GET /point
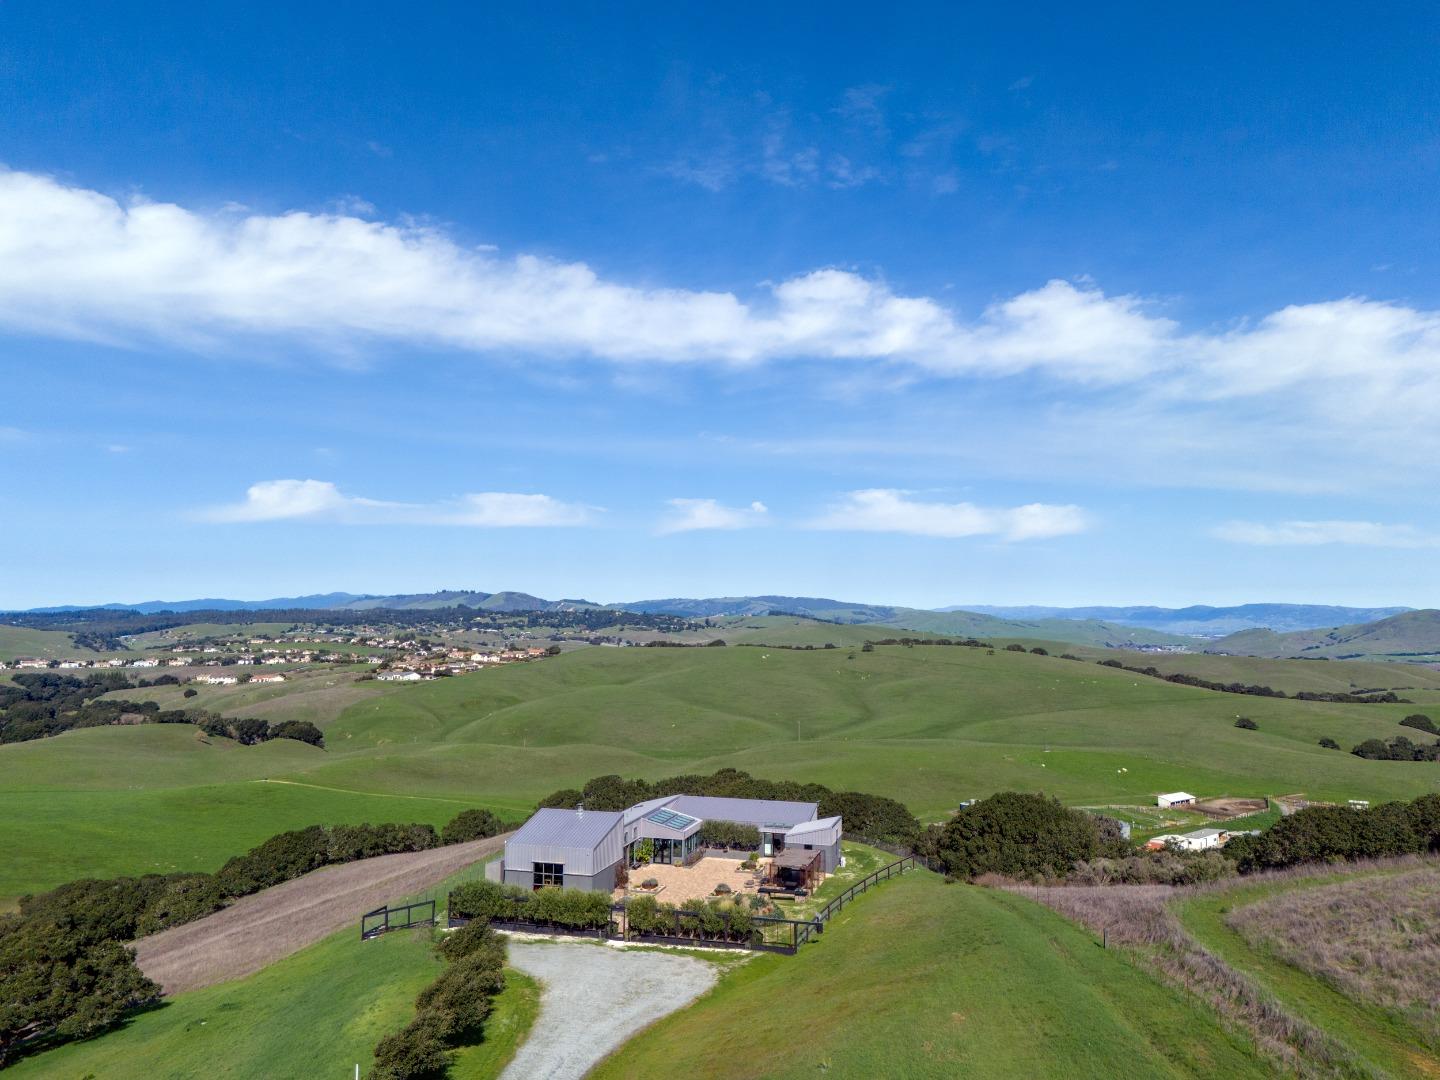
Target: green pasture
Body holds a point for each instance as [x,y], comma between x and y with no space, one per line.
[922,979]
[929,725]
[45,644]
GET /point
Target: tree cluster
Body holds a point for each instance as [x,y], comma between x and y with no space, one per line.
[1015,834]
[1397,749]
[1341,834]
[1420,722]
[251,731]
[872,817]
[37,706]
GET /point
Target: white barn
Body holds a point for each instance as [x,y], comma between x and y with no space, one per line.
[1174,798]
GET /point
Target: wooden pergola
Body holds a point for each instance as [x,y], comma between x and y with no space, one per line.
[796,863]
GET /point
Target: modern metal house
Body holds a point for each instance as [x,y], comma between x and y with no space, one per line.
[581,849]
[575,849]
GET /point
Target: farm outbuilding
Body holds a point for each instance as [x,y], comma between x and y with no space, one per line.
[1174,798]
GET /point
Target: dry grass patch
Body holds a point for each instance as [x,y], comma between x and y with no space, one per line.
[1377,939]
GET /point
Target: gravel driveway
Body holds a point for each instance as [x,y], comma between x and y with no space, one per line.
[594,998]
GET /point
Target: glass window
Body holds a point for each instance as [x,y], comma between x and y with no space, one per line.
[547,873]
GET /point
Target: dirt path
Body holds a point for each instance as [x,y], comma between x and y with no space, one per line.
[594,998]
[258,930]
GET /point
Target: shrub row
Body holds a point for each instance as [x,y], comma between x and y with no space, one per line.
[1341,834]
[1183,679]
[868,815]
[572,908]
[716,920]
[449,1012]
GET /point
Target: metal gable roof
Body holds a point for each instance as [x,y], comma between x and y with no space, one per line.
[566,828]
[772,813]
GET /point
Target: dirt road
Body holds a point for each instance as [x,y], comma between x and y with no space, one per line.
[258,930]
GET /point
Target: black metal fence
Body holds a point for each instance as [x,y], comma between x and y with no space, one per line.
[384,919]
[869,881]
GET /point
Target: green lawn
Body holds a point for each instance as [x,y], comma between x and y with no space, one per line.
[505,1030]
[923,979]
[1383,1042]
[929,725]
[47,644]
[314,1014]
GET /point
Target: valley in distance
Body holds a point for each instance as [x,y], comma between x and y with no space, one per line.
[303,834]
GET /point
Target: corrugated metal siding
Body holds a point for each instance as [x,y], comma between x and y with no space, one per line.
[584,843]
[816,833]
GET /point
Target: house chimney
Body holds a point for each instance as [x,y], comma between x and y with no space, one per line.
[580,809]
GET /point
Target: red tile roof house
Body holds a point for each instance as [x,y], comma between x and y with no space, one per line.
[583,849]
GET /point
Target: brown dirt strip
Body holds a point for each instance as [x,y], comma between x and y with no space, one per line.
[257,930]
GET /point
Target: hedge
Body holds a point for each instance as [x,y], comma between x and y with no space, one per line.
[573,908]
[701,919]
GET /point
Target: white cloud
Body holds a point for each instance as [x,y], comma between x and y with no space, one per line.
[1311,533]
[892,510]
[80,264]
[689,515]
[321,500]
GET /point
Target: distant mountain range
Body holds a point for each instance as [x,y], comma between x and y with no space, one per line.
[1200,620]
[1265,629]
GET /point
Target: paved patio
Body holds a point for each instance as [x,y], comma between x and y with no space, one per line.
[681,883]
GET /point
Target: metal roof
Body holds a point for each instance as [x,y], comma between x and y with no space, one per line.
[766,813]
[805,827]
[566,828]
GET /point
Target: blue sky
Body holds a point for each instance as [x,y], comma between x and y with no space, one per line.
[923,306]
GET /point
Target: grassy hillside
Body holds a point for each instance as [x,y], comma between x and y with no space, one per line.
[48,644]
[923,979]
[1412,636]
[929,725]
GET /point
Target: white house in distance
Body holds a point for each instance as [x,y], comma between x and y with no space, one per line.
[1174,798]
[1199,840]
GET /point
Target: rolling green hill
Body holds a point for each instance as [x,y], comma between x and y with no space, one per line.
[929,725]
[922,979]
[46,644]
[1412,636]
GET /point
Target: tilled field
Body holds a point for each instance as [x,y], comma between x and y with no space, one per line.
[258,930]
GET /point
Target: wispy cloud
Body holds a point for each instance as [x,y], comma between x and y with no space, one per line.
[321,500]
[893,510]
[1312,533]
[77,263]
[690,515]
